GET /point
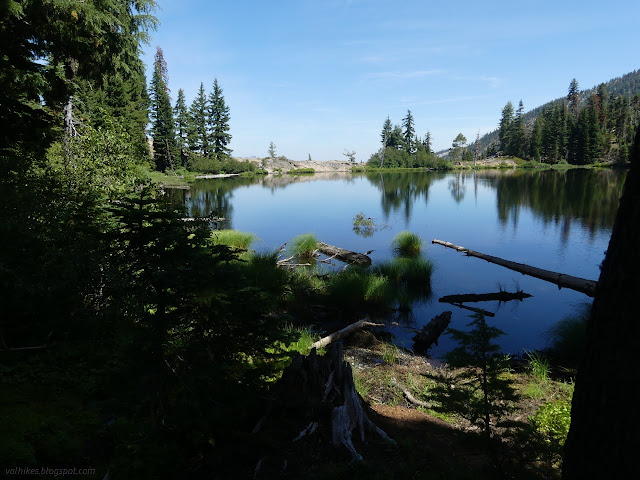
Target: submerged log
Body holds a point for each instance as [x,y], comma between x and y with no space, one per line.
[481,311]
[484,297]
[568,281]
[431,332]
[345,255]
[323,386]
[344,332]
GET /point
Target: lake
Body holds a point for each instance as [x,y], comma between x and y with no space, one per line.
[556,220]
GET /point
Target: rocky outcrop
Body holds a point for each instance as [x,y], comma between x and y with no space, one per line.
[284,164]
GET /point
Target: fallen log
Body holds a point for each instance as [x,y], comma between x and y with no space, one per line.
[431,332]
[481,311]
[344,332]
[560,279]
[484,297]
[344,255]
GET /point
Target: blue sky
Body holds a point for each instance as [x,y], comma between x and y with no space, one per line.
[320,76]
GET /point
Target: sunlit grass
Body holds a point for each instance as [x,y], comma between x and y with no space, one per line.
[233,238]
[304,245]
[407,244]
[538,366]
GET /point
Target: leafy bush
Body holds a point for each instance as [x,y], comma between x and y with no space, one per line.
[552,421]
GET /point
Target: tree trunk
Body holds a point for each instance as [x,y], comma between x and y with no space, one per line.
[605,420]
[345,255]
[323,387]
[431,332]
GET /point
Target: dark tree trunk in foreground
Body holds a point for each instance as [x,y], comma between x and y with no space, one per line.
[605,428]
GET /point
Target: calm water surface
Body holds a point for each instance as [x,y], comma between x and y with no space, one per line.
[559,221]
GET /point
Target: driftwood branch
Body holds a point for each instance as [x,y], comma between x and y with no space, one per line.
[344,255]
[484,297]
[408,394]
[344,332]
[574,283]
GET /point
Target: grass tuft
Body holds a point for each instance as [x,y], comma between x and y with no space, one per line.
[233,238]
[407,244]
[304,245]
[411,272]
[538,366]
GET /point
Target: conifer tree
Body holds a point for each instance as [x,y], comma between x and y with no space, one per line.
[198,136]
[505,130]
[573,98]
[427,142]
[385,135]
[535,145]
[182,125]
[162,130]
[517,143]
[409,132]
[219,121]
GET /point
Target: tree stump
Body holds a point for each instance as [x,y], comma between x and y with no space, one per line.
[323,386]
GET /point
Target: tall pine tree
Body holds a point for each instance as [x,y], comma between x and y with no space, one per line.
[505,129]
[162,129]
[198,134]
[219,122]
[182,125]
[409,132]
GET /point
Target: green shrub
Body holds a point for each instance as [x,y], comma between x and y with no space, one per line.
[407,244]
[301,171]
[552,421]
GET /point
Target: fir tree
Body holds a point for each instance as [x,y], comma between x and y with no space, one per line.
[573,98]
[427,142]
[182,126]
[198,136]
[409,132]
[517,142]
[535,145]
[219,121]
[505,130]
[385,135]
[162,130]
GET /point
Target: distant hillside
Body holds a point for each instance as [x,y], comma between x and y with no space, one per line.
[627,85]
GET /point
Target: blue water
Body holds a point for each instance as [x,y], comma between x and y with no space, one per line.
[559,221]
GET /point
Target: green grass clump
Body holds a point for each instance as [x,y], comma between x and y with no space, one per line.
[301,171]
[407,244]
[538,366]
[356,288]
[304,245]
[233,238]
[261,270]
[411,272]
